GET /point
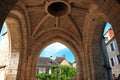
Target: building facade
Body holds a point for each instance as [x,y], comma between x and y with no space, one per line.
[62,61]
[113,52]
[44,65]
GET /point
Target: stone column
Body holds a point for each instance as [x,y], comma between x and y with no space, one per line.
[101,69]
[22,67]
[29,68]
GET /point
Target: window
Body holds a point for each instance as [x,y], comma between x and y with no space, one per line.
[118,57]
[112,62]
[41,70]
[106,39]
[112,45]
[37,71]
[47,70]
[115,59]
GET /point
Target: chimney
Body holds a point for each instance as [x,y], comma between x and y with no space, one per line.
[50,57]
[64,56]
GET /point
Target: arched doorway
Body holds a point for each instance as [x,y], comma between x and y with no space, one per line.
[63,40]
[113,16]
[5,50]
[10,54]
[56,56]
[16,43]
[100,55]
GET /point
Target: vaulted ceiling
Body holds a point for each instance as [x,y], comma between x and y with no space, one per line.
[47,14]
[33,23]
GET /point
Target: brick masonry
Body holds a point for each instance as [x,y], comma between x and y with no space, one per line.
[31,29]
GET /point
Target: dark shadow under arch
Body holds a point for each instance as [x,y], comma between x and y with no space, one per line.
[100,57]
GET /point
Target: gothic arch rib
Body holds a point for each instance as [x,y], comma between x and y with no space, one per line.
[23,35]
[57,38]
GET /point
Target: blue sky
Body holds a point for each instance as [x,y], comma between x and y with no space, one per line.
[3,28]
[58,50]
[107,26]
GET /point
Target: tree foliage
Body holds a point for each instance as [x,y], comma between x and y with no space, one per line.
[59,73]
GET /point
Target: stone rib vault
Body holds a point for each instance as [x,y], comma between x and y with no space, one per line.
[78,24]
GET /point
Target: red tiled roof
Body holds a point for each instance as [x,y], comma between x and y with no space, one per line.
[59,59]
[110,33]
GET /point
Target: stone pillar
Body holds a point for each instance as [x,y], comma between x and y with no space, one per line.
[29,68]
[101,68]
[83,64]
[22,67]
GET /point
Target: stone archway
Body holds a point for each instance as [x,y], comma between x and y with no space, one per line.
[100,56]
[112,11]
[17,35]
[14,53]
[55,49]
[100,63]
[43,42]
[5,51]
[110,8]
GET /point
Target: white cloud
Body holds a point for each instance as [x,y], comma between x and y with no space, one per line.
[58,46]
[52,49]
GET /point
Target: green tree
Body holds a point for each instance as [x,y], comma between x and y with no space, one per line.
[59,73]
[67,72]
[41,76]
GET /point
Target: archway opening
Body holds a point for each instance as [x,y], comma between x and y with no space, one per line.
[4,50]
[56,62]
[112,49]
[9,56]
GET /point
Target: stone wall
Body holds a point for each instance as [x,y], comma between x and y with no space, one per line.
[5,54]
[75,30]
